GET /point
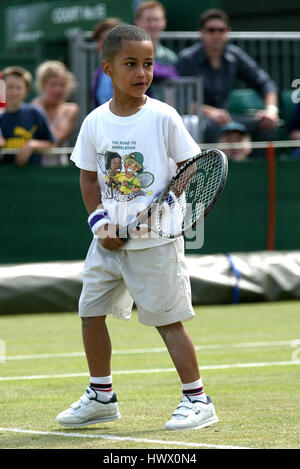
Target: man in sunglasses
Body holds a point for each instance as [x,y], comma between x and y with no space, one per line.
[221,64]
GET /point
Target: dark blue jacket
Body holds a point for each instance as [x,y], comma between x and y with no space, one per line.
[217,84]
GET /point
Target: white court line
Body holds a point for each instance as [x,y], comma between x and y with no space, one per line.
[155,370]
[153,350]
[121,438]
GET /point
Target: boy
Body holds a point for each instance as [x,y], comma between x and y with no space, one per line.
[236,133]
[151,269]
[23,126]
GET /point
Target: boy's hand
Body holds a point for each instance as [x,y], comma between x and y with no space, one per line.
[2,141]
[108,238]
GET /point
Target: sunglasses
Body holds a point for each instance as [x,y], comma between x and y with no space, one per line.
[215,30]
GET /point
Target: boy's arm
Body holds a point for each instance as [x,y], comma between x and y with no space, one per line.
[90,190]
[181,163]
[25,152]
[91,195]
[177,189]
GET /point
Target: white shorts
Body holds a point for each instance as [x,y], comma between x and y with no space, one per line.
[156,279]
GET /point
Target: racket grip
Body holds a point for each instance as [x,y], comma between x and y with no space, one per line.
[123,234]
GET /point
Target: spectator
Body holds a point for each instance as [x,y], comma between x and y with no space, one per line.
[2,140]
[23,126]
[55,83]
[102,89]
[220,64]
[236,133]
[151,16]
[294,130]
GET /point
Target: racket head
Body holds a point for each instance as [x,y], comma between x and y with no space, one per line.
[145,180]
[199,184]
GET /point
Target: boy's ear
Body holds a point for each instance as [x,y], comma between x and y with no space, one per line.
[106,67]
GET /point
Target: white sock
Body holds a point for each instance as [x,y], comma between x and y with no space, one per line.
[194,390]
[102,386]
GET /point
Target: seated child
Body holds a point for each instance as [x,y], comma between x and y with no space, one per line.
[23,127]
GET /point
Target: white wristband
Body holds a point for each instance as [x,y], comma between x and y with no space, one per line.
[98,218]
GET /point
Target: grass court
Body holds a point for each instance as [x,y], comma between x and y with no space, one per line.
[249,361]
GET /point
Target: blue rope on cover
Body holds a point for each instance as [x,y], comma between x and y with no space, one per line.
[236,289]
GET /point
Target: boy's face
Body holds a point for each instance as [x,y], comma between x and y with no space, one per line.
[16,91]
[131,70]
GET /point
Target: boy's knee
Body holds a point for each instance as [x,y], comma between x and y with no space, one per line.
[168,328]
[90,322]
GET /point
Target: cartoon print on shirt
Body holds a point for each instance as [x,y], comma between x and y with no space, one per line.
[113,166]
[125,178]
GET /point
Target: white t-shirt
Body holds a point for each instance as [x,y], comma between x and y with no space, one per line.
[135,157]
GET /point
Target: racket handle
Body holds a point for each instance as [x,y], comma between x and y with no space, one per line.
[123,234]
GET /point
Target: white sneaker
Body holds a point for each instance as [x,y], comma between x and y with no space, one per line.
[89,410]
[192,415]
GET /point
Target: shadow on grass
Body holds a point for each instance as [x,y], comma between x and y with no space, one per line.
[151,433]
[110,431]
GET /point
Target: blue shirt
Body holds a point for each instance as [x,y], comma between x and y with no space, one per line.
[20,126]
[104,89]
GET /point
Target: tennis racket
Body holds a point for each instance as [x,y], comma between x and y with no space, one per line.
[145,180]
[191,195]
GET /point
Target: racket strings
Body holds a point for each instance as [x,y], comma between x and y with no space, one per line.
[192,192]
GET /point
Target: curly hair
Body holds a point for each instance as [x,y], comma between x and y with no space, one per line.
[115,36]
[54,68]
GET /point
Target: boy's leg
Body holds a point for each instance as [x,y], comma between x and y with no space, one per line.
[97,345]
[99,403]
[195,410]
[181,350]
[103,292]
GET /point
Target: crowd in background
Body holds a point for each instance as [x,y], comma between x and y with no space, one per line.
[51,119]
